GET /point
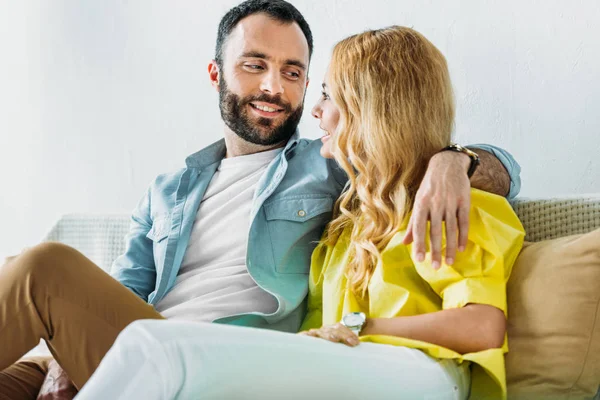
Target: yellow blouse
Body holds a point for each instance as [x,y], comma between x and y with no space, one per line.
[403,287]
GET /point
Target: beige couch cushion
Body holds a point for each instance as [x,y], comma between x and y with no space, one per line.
[554,319]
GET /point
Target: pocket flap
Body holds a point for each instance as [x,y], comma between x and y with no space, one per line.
[298,209]
[160,229]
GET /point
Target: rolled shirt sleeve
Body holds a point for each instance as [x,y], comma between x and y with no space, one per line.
[509,162]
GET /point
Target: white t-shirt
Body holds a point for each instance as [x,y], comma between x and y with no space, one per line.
[213,281]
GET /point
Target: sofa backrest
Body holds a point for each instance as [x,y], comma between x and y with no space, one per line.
[552,218]
[102,237]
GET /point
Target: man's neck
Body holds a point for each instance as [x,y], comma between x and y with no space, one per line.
[236,146]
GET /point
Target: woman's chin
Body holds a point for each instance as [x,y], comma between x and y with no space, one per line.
[326,151]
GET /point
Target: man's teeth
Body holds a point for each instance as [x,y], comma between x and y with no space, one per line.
[265,108]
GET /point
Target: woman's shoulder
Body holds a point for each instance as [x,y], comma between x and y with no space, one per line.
[489,214]
[488,207]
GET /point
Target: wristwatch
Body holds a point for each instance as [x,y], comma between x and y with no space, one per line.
[472,155]
[354,321]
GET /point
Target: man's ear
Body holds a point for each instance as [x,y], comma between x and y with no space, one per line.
[214,74]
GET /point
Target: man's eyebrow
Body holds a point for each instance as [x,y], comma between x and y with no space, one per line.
[255,54]
[289,61]
[296,63]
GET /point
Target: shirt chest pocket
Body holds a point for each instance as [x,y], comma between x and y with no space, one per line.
[295,227]
[158,233]
[160,229]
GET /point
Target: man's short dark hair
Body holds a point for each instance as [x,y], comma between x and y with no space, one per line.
[279,10]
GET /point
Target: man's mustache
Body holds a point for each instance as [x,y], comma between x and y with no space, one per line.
[268,99]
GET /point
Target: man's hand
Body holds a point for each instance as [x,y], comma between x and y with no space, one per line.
[444,195]
[337,333]
[57,385]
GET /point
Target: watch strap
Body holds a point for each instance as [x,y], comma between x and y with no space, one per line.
[471,154]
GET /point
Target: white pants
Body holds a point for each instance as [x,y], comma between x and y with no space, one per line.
[190,360]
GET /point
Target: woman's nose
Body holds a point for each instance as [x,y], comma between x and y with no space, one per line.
[316,111]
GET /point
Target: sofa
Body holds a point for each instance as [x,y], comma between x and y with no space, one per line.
[553,294]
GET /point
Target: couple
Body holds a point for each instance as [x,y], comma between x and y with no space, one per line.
[230,239]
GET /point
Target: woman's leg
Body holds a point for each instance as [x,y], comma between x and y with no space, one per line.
[182,360]
[53,292]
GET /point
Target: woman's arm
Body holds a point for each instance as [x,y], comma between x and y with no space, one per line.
[469,329]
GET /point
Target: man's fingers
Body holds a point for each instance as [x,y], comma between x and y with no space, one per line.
[463,226]
[451,235]
[419,230]
[408,237]
[436,239]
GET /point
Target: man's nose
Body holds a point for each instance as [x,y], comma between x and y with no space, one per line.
[272,83]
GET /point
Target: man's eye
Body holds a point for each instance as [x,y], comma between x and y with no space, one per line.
[254,66]
[294,74]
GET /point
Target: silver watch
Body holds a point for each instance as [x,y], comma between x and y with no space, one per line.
[354,321]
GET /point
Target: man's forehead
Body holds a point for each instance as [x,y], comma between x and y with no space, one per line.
[261,34]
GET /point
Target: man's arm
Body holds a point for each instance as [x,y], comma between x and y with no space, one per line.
[498,172]
[490,176]
[444,196]
[135,269]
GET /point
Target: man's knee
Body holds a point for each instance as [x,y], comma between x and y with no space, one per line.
[137,344]
[139,335]
[45,259]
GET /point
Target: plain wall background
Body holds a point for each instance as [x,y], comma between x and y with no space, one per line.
[98,97]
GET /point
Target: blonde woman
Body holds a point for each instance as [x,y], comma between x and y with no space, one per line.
[401,329]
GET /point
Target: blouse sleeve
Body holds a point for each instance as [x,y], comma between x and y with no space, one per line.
[479,274]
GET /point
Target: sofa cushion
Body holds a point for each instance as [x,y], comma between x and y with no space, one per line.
[554,319]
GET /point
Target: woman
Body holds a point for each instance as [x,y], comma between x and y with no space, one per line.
[423,333]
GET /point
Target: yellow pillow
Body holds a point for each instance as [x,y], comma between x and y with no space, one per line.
[554,320]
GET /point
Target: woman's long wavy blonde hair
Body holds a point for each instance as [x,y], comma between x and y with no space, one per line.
[393,90]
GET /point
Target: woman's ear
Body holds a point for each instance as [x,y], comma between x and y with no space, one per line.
[213,74]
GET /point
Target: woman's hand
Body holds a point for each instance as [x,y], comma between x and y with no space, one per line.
[337,333]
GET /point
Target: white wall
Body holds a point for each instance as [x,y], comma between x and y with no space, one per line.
[98,97]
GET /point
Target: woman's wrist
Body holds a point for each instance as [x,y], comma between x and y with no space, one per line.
[384,326]
[370,327]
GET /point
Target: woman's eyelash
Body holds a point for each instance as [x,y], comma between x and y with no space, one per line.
[325,95]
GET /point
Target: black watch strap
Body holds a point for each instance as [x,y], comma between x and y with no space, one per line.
[472,155]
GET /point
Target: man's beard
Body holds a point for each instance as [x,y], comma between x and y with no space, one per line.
[235,114]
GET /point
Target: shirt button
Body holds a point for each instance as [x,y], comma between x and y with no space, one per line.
[301,213]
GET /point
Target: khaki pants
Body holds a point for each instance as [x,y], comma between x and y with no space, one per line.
[55,293]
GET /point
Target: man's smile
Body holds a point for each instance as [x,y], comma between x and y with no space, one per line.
[266,110]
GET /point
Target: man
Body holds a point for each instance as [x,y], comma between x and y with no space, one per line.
[227,239]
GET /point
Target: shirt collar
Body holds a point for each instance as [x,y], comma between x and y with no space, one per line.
[216,152]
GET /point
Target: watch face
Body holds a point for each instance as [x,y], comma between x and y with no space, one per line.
[354,319]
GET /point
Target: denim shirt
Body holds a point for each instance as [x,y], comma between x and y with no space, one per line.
[292,204]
